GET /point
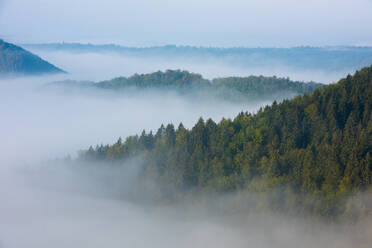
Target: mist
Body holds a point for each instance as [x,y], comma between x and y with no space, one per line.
[41,124]
[46,203]
[53,120]
[56,205]
[107,65]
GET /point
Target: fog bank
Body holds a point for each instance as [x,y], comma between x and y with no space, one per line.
[58,206]
[107,65]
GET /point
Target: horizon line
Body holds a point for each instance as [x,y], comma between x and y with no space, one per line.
[189,46]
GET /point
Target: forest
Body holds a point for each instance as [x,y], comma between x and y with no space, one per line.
[311,154]
[187,83]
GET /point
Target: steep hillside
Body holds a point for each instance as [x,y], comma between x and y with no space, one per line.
[311,153]
[14,60]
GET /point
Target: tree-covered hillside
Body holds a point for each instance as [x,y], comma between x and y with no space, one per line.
[184,82]
[14,60]
[311,152]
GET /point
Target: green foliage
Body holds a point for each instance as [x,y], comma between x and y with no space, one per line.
[232,88]
[252,88]
[316,150]
[174,79]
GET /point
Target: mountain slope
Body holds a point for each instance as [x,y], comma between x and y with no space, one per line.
[14,60]
[310,153]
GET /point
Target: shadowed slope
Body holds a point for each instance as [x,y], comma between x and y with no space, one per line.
[14,61]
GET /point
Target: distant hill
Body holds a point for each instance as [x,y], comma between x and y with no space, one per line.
[15,60]
[330,58]
[184,82]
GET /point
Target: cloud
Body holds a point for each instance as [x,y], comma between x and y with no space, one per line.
[75,207]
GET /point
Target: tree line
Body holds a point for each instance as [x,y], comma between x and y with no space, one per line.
[238,89]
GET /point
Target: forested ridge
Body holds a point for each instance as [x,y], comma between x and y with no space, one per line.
[15,60]
[310,153]
[333,58]
[184,82]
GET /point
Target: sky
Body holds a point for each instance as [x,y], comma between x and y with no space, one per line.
[250,23]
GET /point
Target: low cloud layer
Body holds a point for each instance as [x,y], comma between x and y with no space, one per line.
[58,206]
[41,123]
[46,122]
[103,66]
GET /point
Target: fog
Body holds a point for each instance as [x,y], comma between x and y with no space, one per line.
[63,209]
[106,65]
[45,203]
[45,121]
[41,123]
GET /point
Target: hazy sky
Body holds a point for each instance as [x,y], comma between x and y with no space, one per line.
[189,22]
